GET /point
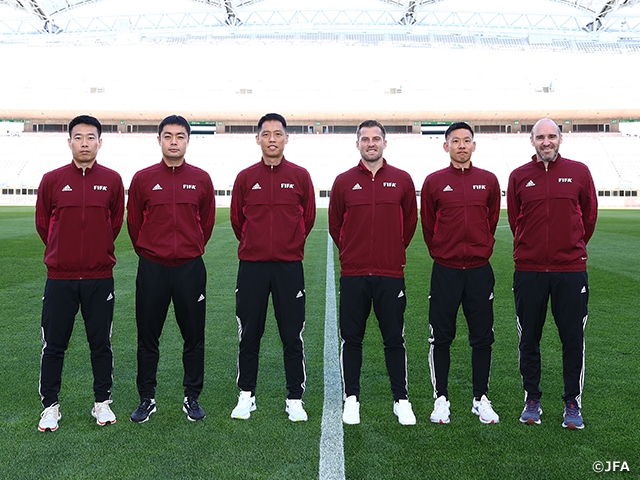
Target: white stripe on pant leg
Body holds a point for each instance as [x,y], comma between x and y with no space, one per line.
[331,437]
[579,397]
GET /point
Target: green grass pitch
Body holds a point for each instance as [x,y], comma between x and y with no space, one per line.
[268,446]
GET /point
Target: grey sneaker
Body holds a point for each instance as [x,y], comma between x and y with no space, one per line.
[572,416]
[531,413]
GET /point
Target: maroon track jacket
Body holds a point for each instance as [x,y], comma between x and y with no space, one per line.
[170,213]
[273,209]
[78,216]
[372,220]
[552,214]
[459,210]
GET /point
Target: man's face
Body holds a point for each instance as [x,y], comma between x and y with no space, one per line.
[460,146]
[371,144]
[173,141]
[272,138]
[84,144]
[546,139]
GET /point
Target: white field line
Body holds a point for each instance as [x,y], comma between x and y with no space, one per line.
[331,438]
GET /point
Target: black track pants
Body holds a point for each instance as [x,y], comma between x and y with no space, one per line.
[156,286]
[473,289]
[285,282]
[60,304]
[388,296]
[569,292]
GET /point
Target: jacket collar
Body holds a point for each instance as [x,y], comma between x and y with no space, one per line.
[363,168]
[166,167]
[557,160]
[273,167]
[460,171]
[80,170]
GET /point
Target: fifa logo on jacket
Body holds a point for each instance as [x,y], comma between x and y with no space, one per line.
[479,187]
[565,180]
[286,185]
[389,184]
[186,186]
[100,187]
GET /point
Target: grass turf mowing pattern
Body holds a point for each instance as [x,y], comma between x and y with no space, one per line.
[268,445]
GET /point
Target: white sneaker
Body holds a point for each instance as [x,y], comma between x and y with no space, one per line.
[295,410]
[485,412]
[440,412]
[49,418]
[246,405]
[351,412]
[404,412]
[102,413]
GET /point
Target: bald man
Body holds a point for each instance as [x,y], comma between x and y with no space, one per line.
[552,209]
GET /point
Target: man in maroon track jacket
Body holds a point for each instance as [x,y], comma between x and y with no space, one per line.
[79,213]
[552,208]
[272,212]
[170,217]
[460,207]
[372,219]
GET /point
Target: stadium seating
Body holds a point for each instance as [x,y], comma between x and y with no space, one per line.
[609,156]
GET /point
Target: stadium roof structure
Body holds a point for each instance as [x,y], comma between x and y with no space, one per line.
[402,61]
[19,17]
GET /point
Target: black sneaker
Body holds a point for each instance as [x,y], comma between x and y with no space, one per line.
[193,409]
[141,414]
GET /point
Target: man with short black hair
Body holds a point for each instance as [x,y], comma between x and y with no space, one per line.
[372,219]
[272,212]
[79,213]
[552,208]
[460,207]
[170,217]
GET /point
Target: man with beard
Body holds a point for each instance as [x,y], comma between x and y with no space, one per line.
[372,218]
[552,209]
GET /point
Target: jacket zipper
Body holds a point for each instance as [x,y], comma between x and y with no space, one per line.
[82,224]
[271,207]
[466,219]
[546,253]
[175,222]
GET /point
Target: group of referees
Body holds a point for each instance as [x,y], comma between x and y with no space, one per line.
[373,215]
